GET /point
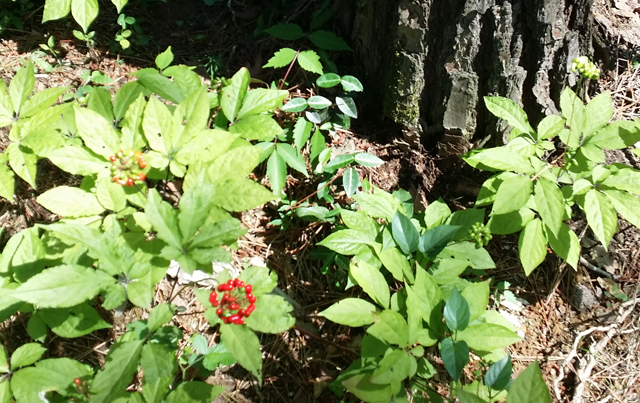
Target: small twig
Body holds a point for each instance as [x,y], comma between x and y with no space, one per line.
[598,270]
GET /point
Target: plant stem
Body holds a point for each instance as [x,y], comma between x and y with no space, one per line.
[288,70]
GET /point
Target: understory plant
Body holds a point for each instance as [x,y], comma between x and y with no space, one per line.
[543,175]
[118,232]
[416,304]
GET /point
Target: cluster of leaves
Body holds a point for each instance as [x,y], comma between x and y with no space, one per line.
[116,242]
[421,257]
[542,174]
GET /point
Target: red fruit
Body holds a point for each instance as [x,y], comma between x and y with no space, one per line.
[213,298]
[226,320]
[142,176]
[231,299]
[239,320]
[129,182]
[225,298]
[235,282]
[113,158]
[248,310]
[251,298]
[241,284]
[233,317]
[248,288]
[223,287]
[234,306]
[77,381]
[219,311]
[230,285]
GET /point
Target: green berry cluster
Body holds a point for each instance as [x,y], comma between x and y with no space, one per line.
[585,67]
[480,234]
[570,158]
[127,167]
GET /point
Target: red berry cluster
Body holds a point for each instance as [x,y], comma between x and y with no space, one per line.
[127,167]
[236,303]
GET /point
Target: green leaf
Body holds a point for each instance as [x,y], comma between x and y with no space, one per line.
[347,106]
[550,126]
[295,105]
[371,281]
[56,9]
[529,387]
[63,286]
[368,160]
[42,100]
[26,354]
[361,386]
[617,135]
[394,367]
[310,61]
[532,246]
[67,201]
[328,80]
[272,315]
[6,396]
[287,32]
[7,182]
[124,98]
[241,194]
[456,311]
[318,102]
[455,355]
[510,223]
[96,132]
[549,203]
[465,219]
[261,100]
[194,392]
[234,93]
[352,312]
[328,40]
[601,216]
[21,86]
[478,259]
[348,242]
[100,102]
[506,109]
[281,58]
[405,233]
[75,322]
[391,327]
[317,145]
[487,337]
[216,356]
[436,239]
[396,263]
[238,162]
[468,397]
[498,376]
[23,162]
[164,59]
[512,194]
[159,315]
[84,12]
[159,84]
[36,328]
[358,220]
[339,161]
[499,159]
[598,113]
[77,160]
[301,130]
[244,345]
[159,366]
[164,219]
[263,281]
[350,83]
[379,204]
[110,195]
[257,127]
[350,181]
[565,244]
[627,205]
[574,111]
[120,366]
[477,296]
[291,156]
[277,173]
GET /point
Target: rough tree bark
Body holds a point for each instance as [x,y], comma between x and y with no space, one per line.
[428,63]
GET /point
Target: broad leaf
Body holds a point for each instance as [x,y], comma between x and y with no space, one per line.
[241,195]
[194,392]
[529,387]
[601,216]
[549,203]
[293,159]
[351,83]
[565,244]
[455,355]
[532,246]
[371,281]
[277,173]
[295,105]
[67,201]
[347,106]
[164,219]
[499,159]
[506,109]
[26,354]
[347,242]
[352,312]
[405,233]
[244,345]
[328,40]
[487,337]
[234,93]
[391,327]
[272,315]
[328,80]
[310,61]
[120,366]
[627,205]
[456,311]
[63,286]
[84,12]
[512,194]
[281,58]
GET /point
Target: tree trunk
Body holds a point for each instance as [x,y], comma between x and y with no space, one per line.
[427,64]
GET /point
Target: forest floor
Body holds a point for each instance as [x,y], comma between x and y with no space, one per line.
[586,340]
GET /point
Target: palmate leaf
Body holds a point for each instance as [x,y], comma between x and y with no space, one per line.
[77,321]
[348,242]
[194,392]
[21,86]
[456,311]
[391,327]
[549,203]
[499,159]
[23,162]
[7,182]
[394,367]
[241,194]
